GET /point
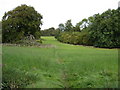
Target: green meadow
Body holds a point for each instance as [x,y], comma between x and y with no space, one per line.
[60,66]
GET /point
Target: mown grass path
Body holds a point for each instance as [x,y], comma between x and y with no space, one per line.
[65,65]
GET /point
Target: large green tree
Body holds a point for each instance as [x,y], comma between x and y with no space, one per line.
[104,31]
[21,22]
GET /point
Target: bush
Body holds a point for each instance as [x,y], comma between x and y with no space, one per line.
[76,38]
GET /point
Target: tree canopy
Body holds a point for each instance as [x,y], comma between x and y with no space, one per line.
[61,27]
[104,31]
[20,22]
[68,25]
[99,30]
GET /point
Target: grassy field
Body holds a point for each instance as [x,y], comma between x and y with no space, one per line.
[61,66]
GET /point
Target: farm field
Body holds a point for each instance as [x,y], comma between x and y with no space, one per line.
[60,66]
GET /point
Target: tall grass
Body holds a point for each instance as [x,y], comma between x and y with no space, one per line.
[61,66]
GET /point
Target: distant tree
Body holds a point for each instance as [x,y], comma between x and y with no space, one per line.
[61,27]
[52,31]
[84,23]
[20,22]
[90,20]
[48,32]
[77,27]
[68,26]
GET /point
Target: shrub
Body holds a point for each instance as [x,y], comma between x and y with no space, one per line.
[81,38]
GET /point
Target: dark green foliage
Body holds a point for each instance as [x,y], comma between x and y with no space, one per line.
[49,32]
[37,34]
[20,22]
[77,27]
[69,37]
[85,38]
[99,30]
[104,31]
[68,26]
[61,27]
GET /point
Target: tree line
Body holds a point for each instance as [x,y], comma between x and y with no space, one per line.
[99,30]
[49,32]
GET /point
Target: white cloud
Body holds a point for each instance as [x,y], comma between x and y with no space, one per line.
[59,11]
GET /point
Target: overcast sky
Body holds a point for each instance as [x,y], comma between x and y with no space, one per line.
[59,11]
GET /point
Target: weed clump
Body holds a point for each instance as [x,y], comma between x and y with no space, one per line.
[15,78]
